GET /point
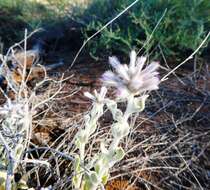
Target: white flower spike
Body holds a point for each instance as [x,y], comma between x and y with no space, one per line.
[132,79]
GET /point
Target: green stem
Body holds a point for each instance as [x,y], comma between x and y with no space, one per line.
[128,107]
[114,144]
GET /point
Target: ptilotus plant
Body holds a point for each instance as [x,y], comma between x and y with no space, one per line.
[132,83]
[82,137]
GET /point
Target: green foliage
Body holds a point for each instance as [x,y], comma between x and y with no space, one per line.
[16,15]
[180,31]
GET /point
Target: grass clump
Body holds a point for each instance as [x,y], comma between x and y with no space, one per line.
[181,30]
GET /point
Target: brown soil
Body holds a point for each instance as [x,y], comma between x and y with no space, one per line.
[180,108]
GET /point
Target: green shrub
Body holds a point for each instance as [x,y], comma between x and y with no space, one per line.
[16,15]
[180,31]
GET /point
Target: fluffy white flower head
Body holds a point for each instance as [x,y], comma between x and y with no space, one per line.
[132,79]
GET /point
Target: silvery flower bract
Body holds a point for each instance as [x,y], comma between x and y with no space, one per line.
[132,79]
